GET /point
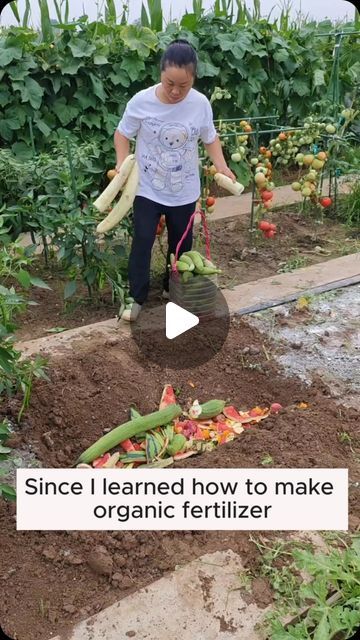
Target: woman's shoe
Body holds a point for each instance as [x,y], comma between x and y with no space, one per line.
[131,313]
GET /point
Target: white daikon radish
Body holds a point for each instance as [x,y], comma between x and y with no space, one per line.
[107,196]
[125,203]
[226,183]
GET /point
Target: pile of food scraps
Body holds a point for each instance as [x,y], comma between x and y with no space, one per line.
[170,434]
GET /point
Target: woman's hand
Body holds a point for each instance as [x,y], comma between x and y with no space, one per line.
[227,172]
[215,152]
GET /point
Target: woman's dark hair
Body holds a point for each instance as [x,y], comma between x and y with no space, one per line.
[179,54]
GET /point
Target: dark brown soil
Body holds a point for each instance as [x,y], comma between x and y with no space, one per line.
[245,257]
[51,312]
[54,579]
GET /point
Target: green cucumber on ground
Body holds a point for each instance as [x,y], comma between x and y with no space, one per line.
[129,430]
[209,409]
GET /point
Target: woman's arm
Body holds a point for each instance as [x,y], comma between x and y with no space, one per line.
[122,148]
[216,154]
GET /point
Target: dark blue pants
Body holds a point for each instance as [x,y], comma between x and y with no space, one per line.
[146,215]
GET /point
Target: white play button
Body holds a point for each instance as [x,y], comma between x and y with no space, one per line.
[178,320]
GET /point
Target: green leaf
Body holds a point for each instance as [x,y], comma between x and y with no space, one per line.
[239,43]
[30,91]
[8,54]
[98,87]
[354,72]
[85,98]
[56,83]
[91,120]
[156,15]
[71,65]
[319,77]
[140,39]
[281,55]
[22,151]
[300,86]
[15,11]
[144,20]
[24,278]
[242,172]
[64,111]
[335,620]
[133,66]
[4,449]
[42,126]
[7,126]
[7,492]
[5,97]
[70,289]
[37,282]
[81,48]
[46,27]
[6,356]
[207,69]
[100,59]
[119,76]
[323,630]
[189,21]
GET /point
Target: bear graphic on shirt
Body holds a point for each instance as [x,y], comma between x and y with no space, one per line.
[170,150]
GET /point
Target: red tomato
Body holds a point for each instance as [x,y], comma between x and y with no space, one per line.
[270,234]
[264,225]
[210,201]
[267,195]
[272,227]
[326,202]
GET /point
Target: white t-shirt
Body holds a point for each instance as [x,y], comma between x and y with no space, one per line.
[167,144]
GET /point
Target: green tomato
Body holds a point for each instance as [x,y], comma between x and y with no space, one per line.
[330,128]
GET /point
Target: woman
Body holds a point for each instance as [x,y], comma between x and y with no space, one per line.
[167,119]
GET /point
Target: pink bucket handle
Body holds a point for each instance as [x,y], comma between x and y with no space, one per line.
[207,237]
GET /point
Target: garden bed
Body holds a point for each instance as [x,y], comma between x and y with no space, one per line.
[241,257]
[54,574]
[300,242]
